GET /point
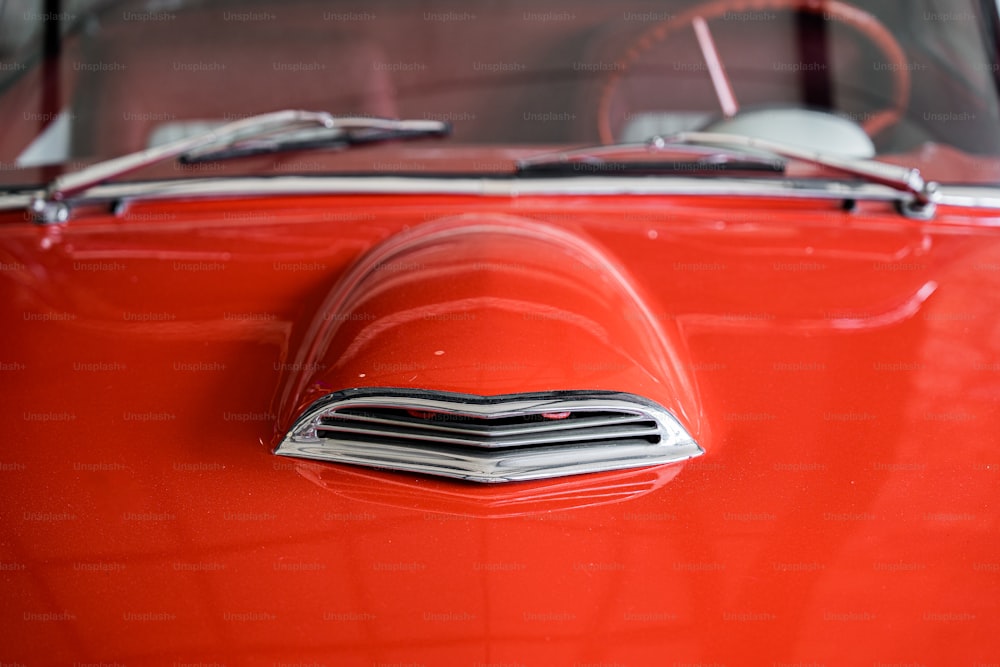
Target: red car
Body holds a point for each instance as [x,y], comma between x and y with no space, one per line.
[493,334]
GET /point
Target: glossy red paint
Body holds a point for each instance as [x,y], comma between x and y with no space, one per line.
[844,511]
[552,312]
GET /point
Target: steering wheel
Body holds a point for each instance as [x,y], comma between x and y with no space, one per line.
[697,17]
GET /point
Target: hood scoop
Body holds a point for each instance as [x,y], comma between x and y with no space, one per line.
[489,438]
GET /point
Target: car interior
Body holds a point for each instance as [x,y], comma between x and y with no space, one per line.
[509,73]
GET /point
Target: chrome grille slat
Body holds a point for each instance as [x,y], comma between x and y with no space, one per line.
[486,429]
[489,439]
[536,464]
[644,429]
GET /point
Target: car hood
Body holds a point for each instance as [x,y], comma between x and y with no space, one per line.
[841,370]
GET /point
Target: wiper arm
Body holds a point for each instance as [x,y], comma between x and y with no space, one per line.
[261,133]
[925,194]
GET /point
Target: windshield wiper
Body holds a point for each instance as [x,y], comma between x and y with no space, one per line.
[287,130]
[718,146]
[340,133]
[924,194]
[655,156]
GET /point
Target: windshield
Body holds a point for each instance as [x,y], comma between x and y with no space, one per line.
[915,81]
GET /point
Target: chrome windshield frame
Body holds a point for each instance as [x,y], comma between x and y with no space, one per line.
[120,195]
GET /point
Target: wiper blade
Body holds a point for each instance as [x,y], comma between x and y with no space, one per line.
[261,133]
[343,133]
[650,157]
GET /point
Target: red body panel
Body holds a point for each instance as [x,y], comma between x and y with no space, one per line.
[847,367]
[490,304]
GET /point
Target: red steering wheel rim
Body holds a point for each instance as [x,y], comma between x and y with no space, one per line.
[858,19]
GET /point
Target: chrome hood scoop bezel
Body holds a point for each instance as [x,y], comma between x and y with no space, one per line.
[506,438]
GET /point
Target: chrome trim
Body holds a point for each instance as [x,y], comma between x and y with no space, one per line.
[249,186]
[612,431]
[970,196]
[15,201]
[489,186]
